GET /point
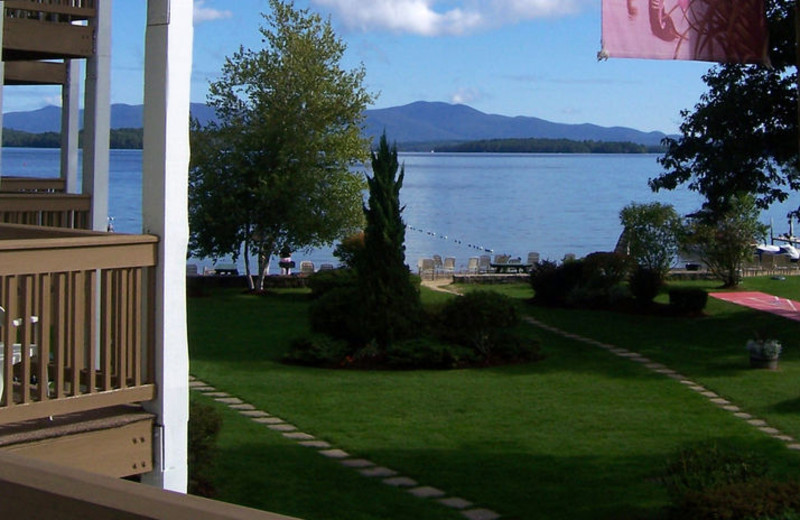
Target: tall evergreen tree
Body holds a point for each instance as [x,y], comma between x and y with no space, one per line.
[392,308]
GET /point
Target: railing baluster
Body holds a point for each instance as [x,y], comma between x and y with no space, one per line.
[9,338]
[106,327]
[44,312]
[90,292]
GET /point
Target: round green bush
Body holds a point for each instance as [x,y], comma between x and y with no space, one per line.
[475,320]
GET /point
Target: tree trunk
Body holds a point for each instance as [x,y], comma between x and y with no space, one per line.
[250,285]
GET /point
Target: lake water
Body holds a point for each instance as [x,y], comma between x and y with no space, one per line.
[464,205]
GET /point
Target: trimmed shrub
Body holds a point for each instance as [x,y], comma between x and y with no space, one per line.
[688,300]
[603,270]
[317,351]
[709,464]
[205,423]
[645,284]
[475,320]
[338,313]
[323,282]
[426,353]
[552,283]
[758,499]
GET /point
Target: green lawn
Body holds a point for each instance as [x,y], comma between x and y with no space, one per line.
[582,434]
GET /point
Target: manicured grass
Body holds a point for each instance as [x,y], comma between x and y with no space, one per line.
[582,434]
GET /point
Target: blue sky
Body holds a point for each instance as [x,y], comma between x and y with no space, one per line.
[510,57]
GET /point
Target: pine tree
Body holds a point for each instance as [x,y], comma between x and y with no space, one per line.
[392,308]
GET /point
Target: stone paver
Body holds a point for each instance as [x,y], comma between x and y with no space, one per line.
[456,502]
[268,420]
[480,514]
[335,453]
[378,471]
[298,436]
[757,422]
[216,394]
[315,444]
[426,492]
[229,400]
[243,406]
[357,463]
[400,482]
[282,427]
[254,413]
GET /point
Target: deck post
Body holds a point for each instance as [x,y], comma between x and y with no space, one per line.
[165,167]
[70,113]
[97,118]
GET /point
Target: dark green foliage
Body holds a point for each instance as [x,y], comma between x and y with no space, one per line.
[591,282]
[742,135]
[323,282]
[349,250]
[205,423]
[391,303]
[317,351]
[428,354]
[553,283]
[645,284]
[760,499]
[338,313]
[688,301]
[537,145]
[478,319]
[710,464]
[120,139]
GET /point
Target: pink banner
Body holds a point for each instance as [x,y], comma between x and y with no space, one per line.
[705,30]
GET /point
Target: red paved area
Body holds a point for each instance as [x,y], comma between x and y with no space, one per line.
[762,302]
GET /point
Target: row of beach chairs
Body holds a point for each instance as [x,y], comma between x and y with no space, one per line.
[307,267]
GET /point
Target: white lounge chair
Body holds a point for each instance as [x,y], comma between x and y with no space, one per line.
[306,268]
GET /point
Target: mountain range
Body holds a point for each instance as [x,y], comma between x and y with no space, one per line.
[419,122]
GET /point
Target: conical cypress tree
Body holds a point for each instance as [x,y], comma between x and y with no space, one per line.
[392,307]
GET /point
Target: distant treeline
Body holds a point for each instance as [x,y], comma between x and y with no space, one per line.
[547,146]
[121,139]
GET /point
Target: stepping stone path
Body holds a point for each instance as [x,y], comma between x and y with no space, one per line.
[658,368]
[367,468]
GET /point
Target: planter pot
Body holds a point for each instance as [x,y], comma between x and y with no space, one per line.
[760,362]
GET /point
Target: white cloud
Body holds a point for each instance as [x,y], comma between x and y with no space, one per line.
[422,17]
[465,96]
[208,14]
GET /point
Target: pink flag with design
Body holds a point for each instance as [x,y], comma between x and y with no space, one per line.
[731,31]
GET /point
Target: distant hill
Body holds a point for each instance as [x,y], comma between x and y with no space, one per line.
[419,122]
[48,119]
[442,122]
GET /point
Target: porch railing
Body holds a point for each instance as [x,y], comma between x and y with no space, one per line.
[31,185]
[33,29]
[76,327]
[37,490]
[61,210]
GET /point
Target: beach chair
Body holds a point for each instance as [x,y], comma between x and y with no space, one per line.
[306,268]
[437,262]
[472,265]
[326,267]
[191,270]
[533,258]
[426,266]
[449,265]
[484,264]
[501,259]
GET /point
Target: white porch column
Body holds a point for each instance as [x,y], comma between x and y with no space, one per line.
[165,163]
[97,118]
[70,113]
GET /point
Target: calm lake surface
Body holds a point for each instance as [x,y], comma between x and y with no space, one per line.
[462,205]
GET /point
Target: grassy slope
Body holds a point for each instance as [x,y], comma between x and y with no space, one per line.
[579,435]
